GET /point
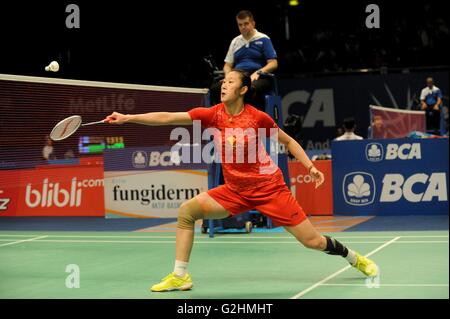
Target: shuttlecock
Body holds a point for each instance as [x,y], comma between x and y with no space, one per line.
[53,66]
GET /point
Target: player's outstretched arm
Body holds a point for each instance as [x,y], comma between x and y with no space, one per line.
[299,153]
[153,118]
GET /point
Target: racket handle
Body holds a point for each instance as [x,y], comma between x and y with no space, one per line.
[92,123]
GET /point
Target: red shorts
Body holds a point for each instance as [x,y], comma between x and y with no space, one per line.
[273,200]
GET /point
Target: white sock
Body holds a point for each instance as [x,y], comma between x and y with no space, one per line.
[351,257]
[180,268]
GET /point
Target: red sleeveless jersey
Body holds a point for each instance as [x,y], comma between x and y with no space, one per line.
[238,138]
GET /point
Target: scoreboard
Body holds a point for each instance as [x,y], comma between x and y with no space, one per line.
[96,144]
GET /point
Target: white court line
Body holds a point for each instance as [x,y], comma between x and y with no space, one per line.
[22,241]
[321,282]
[244,236]
[422,242]
[389,285]
[293,242]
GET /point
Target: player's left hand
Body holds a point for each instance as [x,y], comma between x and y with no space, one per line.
[317,176]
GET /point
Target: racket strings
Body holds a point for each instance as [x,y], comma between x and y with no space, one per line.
[66,128]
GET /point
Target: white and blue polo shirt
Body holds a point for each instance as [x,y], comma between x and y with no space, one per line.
[250,55]
[430,96]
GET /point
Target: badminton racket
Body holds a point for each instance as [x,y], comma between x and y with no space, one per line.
[68,126]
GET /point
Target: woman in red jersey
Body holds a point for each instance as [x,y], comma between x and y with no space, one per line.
[252,184]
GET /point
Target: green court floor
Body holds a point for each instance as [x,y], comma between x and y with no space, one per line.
[257,265]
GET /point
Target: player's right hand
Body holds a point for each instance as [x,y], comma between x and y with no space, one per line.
[116,118]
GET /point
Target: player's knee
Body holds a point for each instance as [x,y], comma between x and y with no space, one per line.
[185,218]
[188,213]
[313,242]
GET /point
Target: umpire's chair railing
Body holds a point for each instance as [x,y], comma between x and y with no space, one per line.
[215,177]
[443,128]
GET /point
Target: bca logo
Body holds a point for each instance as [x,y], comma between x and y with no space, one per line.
[358,188]
[419,187]
[167,158]
[404,151]
[139,159]
[374,152]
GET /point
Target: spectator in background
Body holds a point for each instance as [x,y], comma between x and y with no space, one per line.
[339,131]
[69,154]
[377,129]
[48,151]
[431,101]
[349,134]
[253,52]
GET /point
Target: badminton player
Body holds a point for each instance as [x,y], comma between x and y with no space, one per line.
[250,185]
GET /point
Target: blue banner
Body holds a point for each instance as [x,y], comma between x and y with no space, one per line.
[154,158]
[391,177]
[322,103]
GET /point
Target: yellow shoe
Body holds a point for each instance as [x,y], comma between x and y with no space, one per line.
[172,282]
[366,266]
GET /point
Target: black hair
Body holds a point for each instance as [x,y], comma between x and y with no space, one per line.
[349,123]
[246,80]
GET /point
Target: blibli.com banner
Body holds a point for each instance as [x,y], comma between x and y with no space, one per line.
[391,177]
[150,182]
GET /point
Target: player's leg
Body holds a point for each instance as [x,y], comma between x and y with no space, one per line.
[306,234]
[311,238]
[284,210]
[200,207]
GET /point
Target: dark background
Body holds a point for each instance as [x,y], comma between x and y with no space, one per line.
[164,42]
